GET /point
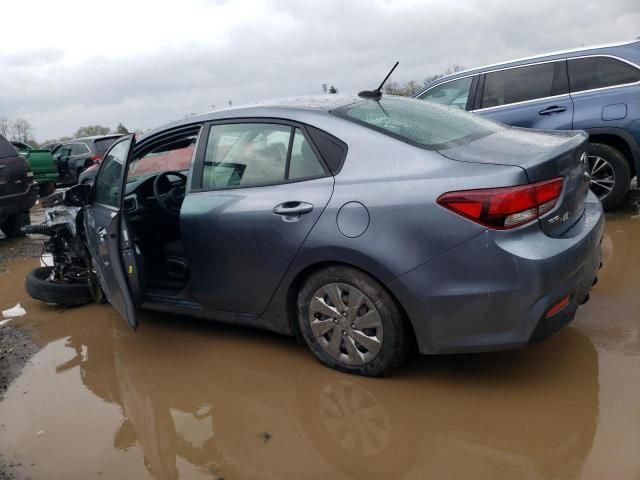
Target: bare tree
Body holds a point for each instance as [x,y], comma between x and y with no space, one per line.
[450,70]
[5,127]
[21,130]
[91,130]
[324,87]
[406,90]
[333,89]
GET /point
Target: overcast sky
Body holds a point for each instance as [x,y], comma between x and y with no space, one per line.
[66,63]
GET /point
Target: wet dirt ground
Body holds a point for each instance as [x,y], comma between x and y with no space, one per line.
[183,398]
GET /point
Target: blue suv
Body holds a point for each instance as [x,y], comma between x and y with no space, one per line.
[595,89]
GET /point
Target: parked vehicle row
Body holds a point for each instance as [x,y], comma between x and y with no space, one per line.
[594,89]
[18,191]
[75,156]
[45,172]
[346,220]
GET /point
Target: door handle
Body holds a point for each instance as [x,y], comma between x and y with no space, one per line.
[292,210]
[552,110]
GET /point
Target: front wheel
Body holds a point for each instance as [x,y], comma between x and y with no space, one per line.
[41,286]
[351,323]
[610,174]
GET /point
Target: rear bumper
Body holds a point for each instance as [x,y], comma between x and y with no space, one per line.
[18,202]
[492,292]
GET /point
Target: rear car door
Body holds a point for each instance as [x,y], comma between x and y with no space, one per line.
[108,235]
[260,187]
[530,96]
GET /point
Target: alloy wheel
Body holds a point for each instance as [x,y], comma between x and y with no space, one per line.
[603,177]
[345,323]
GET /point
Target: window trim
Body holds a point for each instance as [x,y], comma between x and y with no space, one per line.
[122,188]
[198,170]
[637,67]
[481,75]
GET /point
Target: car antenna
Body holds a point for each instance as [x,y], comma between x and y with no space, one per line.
[377,93]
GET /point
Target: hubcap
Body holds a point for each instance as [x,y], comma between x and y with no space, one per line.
[346,323]
[603,178]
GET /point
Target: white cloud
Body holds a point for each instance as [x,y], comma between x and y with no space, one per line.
[145,63]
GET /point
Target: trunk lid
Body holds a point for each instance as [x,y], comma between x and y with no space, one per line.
[13,170]
[543,155]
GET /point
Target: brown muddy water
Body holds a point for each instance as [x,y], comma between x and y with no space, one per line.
[189,399]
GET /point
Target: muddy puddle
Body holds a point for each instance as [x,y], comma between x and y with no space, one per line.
[183,398]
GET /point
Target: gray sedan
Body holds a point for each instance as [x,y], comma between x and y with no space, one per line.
[366,227]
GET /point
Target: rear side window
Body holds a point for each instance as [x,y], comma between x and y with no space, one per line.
[303,163]
[518,85]
[6,149]
[422,124]
[454,93]
[103,144]
[599,72]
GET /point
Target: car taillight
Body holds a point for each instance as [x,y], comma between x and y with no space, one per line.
[95,158]
[505,207]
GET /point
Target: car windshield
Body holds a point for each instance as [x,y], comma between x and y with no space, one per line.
[423,124]
[175,156]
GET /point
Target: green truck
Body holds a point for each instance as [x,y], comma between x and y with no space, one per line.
[45,171]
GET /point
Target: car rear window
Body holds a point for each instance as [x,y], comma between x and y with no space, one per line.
[103,144]
[422,124]
[6,149]
[600,72]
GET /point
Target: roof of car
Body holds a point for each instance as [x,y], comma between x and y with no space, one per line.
[313,103]
[517,61]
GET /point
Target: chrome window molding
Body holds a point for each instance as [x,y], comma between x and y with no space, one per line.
[539,63]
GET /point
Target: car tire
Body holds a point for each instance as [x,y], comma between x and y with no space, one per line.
[374,326]
[617,167]
[12,226]
[68,294]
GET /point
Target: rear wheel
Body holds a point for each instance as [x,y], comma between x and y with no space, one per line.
[610,174]
[350,322]
[12,226]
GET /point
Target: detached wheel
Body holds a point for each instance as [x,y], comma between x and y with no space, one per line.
[610,174]
[39,286]
[350,322]
[12,226]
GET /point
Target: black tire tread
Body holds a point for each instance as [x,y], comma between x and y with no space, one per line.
[621,168]
[69,295]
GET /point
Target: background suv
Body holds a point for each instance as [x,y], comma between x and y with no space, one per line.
[18,191]
[596,89]
[76,155]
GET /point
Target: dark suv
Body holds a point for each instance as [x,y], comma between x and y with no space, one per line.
[18,191]
[74,156]
[596,89]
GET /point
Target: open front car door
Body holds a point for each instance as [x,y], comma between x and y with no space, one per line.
[108,235]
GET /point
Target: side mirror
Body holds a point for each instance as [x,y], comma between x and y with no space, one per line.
[77,196]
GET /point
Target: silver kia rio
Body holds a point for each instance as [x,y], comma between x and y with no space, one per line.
[365,226]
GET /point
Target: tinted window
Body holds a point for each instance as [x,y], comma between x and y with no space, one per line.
[453,94]
[303,163]
[109,179]
[599,72]
[6,149]
[245,154]
[103,144]
[518,85]
[81,149]
[332,149]
[423,124]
